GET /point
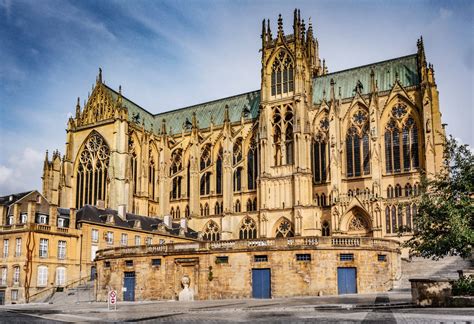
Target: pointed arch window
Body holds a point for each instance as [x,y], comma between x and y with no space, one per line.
[357,145]
[205,157]
[325,229]
[282,80]
[408,190]
[178,213]
[320,161]
[134,165]
[254,204]
[238,179]
[91,176]
[289,136]
[387,221]
[276,123]
[237,151]
[186,211]
[176,188]
[205,184]
[401,142]
[284,229]
[249,205]
[248,229]
[252,165]
[211,232]
[151,179]
[394,219]
[219,172]
[176,161]
[237,206]
[408,217]
[217,209]
[206,209]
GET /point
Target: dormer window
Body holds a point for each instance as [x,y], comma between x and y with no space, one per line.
[282,74]
[42,219]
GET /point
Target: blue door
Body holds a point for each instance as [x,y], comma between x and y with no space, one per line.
[129,285]
[2,297]
[261,283]
[346,281]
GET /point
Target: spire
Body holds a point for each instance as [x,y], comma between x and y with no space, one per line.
[78,107]
[280,25]
[421,51]
[303,30]
[264,34]
[163,126]
[372,81]
[332,95]
[99,78]
[296,24]
[269,32]
[226,114]
[119,99]
[194,121]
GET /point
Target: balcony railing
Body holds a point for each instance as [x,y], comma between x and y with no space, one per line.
[310,242]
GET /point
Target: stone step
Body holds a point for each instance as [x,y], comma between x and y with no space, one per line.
[426,268]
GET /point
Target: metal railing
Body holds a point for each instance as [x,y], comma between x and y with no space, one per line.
[71,283]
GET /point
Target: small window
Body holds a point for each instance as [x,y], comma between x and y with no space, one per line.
[303,257]
[124,239]
[149,241]
[138,240]
[110,237]
[346,257]
[261,258]
[129,263]
[23,218]
[95,235]
[156,262]
[382,258]
[107,264]
[222,259]
[14,295]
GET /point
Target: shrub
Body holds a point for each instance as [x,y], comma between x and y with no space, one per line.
[464,286]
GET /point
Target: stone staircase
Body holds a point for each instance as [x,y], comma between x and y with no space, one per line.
[80,294]
[418,267]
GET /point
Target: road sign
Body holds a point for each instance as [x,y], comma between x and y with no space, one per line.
[112,299]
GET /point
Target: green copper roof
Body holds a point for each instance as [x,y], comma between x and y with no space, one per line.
[212,110]
[385,74]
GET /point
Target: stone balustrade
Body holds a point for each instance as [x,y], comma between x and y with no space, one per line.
[253,244]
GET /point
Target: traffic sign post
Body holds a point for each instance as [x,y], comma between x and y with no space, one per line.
[112,299]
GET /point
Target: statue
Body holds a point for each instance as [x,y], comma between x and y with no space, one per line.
[187,294]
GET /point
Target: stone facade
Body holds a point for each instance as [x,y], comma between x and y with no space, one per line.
[224,269]
[44,247]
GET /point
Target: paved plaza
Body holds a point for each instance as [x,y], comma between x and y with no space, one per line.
[392,307]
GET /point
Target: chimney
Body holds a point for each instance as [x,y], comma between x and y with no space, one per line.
[122,212]
[183,225]
[72,218]
[31,212]
[167,220]
[100,204]
[53,215]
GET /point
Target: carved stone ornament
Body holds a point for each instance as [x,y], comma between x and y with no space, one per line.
[357,224]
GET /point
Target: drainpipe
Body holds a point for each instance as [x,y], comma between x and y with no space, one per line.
[80,262]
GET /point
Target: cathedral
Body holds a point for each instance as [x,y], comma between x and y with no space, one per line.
[310,153]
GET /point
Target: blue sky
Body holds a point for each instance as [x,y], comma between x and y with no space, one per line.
[169,54]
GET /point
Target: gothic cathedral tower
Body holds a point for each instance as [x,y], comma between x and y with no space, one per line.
[289,63]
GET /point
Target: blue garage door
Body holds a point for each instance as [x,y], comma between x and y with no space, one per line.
[129,285]
[261,283]
[346,281]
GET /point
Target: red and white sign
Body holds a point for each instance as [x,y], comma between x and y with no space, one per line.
[113,298]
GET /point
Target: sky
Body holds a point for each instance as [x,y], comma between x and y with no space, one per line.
[171,54]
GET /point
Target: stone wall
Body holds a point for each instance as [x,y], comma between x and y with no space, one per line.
[211,279]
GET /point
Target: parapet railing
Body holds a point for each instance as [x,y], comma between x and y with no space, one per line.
[253,244]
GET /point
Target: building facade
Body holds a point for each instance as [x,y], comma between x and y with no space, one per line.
[45,248]
[311,153]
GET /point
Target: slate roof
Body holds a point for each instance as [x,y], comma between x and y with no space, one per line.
[5,200]
[406,67]
[95,215]
[385,74]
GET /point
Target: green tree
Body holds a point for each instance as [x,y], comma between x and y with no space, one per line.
[445,221]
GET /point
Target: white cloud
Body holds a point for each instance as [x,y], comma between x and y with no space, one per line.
[21,172]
